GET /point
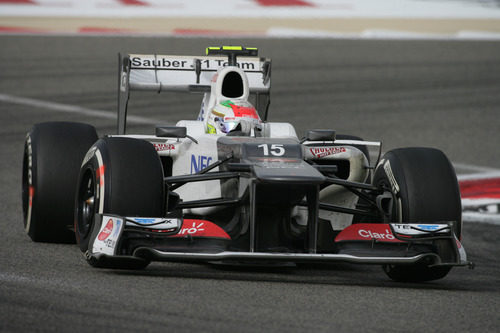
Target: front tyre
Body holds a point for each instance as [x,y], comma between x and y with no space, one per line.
[425,188]
[53,153]
[120,176]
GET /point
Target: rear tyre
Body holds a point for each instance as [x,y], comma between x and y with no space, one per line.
[121,176]
[426,190]
[53,153]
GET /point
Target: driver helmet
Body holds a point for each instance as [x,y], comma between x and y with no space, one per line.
[229,115]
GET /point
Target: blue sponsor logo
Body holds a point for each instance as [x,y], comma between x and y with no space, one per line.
[199,162]
[428,227]
[118,227]
[145,220]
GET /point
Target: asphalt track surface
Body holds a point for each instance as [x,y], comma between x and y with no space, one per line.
[443,94]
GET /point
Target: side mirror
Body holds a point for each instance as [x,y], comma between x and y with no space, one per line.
[319,135]
[171,131]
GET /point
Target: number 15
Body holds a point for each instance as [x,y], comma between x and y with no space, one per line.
[276,149]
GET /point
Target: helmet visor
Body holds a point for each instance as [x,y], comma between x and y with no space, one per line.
[225,126]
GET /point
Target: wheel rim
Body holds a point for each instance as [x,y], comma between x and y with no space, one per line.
[86,204]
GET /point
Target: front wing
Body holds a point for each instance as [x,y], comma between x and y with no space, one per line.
[121,239]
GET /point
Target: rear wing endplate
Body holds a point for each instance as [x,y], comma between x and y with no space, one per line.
[193,74]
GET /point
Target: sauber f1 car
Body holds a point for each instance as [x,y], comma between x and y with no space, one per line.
[235,188]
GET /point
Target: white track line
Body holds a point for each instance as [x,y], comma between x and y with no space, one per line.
[478,176]
[58,107]
[13,277]
[476,168]
[476,217]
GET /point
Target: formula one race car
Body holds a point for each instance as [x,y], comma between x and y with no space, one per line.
[232,187]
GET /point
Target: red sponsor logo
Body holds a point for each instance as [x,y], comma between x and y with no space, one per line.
[106,231]
[326,151]
[368,232]
[163,146]
[201,228]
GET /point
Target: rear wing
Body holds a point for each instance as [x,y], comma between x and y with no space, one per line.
[151,72]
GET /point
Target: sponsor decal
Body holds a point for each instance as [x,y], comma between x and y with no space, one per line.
[145,220]
[89,155]
[117,229]
[429,227]
[99,174]
[163,146]
[386,234]
[367,232]
[106,240]
[106,231]
[419,229]
[159,224]
[31,194]
[168,62]
[199,162]
[100,183]
[211,129]
[31,188]
[30,160]
[326,151]
[201,228]
[138,62]
[390,176]
[196,227]
[246,66]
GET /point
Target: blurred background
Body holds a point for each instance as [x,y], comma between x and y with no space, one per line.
[405,72]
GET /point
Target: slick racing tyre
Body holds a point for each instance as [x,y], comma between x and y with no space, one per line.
[425,185]
[53,153]
[120,176]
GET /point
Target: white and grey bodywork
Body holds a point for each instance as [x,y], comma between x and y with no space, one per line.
[210,172]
